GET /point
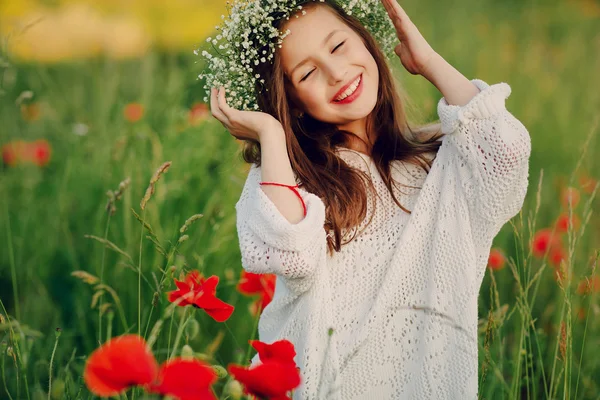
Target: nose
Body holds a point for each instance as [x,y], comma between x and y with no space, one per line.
[336,73]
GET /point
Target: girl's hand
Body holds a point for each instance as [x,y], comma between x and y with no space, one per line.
[414,51]
[241,124]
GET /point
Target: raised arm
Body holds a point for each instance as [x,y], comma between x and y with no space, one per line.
[274,235]
[492,147]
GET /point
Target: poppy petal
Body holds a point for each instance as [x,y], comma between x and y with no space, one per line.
[120,363]
[282,351]
[269,379]
[210,285]
[185,379]
[217,309]
[250,283]
[182,285]
[177,294]
[194,279]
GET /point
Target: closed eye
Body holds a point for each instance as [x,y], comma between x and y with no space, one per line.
[332,51]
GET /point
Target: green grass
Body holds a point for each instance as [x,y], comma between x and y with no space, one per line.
[549,52]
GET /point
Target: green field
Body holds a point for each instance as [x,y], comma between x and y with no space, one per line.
[539,336]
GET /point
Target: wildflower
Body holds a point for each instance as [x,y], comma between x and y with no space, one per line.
[543,240]
[185,379]
[274,376]
[589,285]
[133,112]
[563,223]
[557,254]
[30,112]
[126,361]
[80,129]
[13,152]
[587,183]
[39,152]
[496,259]
[200,293]
[198,113]
[270,380]
[570,195]
[120,363]
[263,284]
[281,351]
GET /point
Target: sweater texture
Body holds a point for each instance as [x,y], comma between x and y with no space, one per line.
[401,298]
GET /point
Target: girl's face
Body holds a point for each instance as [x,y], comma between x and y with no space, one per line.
[321,56]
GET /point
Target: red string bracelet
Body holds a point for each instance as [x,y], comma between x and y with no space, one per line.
[293,188]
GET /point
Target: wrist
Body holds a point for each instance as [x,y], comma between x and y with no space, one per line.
[272,133]
[431,68]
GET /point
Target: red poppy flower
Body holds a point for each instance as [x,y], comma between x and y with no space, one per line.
[570,195]
[557,254]
[126,361]
[133,112]
[280,351]
[200,293]
[270,380]
[589,285]
[496,259]
[587,183]
[562,223]
[262,284]
[120,363]
[13,152]
[198,113]
[543,240]
[38,152]
[185,379]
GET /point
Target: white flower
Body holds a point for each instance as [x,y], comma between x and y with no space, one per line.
[80,129]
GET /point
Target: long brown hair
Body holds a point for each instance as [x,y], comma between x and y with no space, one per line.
[312,143]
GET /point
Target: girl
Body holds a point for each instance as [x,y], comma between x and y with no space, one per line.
[390,311]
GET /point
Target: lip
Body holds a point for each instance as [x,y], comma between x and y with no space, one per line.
[346,86]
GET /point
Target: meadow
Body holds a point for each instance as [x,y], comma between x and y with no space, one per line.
[116,180]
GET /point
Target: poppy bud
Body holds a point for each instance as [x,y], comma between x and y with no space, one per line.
[187,352]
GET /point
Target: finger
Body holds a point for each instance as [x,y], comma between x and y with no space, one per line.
[225,109]
[398,18]
[214,107]
[396,10]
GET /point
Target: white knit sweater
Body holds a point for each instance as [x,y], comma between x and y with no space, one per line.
[402,297]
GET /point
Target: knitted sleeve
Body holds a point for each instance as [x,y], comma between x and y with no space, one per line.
[494,146]
[269,243]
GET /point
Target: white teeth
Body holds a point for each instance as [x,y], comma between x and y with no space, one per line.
[350,90]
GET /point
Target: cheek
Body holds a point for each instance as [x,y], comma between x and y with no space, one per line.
[312,94]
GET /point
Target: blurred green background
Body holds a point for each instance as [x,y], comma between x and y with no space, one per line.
[104,91]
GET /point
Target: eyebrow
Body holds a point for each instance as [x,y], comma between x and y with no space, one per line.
[306,59]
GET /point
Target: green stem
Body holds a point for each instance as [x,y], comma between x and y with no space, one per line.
[256,319]
[102,280]
[182,324]
[11,255]
[140,277]
[57,334]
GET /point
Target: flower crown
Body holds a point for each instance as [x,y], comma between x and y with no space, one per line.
[249,29]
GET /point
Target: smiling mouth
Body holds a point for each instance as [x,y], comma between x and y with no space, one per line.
[345,94]
[350,96]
